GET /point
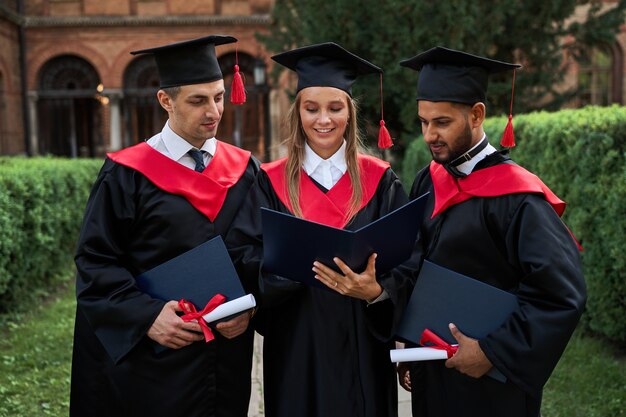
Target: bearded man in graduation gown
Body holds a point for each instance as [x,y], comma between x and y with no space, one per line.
[150,203]
[492,220]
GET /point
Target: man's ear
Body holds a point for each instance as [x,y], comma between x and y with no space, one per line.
[477,114]
[165,100]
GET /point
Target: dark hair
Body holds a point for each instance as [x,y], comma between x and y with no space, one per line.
[172,91]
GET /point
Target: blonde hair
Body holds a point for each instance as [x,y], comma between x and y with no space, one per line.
[295,157]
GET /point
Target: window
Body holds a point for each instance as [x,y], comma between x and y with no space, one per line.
[599,77]
[69,117]
[143,114]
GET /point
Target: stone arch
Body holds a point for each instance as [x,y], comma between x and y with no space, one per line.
[40,57]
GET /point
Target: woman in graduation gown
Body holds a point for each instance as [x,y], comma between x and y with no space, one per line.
[326,352]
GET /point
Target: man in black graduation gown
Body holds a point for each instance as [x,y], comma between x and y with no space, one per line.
[150,203]
[489,219]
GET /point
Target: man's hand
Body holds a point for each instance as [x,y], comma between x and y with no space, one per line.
[362,286]
[171,331]
[404,376]
[470,358]
[235,326]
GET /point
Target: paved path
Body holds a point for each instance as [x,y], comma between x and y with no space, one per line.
[256,401]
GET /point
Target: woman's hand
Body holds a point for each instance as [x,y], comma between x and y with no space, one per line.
[362,286]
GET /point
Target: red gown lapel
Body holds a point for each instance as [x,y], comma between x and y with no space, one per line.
[328,208]
[206,191]
[494,181]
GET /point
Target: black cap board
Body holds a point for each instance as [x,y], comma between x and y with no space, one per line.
[325,65]
[188,62]
[455,76]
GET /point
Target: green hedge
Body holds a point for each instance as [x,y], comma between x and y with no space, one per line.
[580,155]
[41,207]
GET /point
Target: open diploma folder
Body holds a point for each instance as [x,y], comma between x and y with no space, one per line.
[197,275]
[292,244]
[442,296]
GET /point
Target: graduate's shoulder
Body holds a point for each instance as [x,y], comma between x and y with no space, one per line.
[372,162]
[274,167]
[422,182]
[238,154]
[114,170]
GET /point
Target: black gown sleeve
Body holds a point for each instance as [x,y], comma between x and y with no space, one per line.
[245,245]
[116,310]
[551,295]
[384,316]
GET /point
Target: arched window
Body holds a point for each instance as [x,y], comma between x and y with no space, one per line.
[69,112]
[600,76]
[143,114]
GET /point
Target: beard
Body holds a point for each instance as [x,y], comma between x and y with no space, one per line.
[458,146]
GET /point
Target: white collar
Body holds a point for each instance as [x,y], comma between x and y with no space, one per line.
[178,147]
[468,166]
[313,160]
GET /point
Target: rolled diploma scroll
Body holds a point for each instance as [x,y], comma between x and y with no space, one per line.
[230,308]
[417,354]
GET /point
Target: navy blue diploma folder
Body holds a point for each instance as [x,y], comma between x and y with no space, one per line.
[292,244]
[442,296]
[196,275]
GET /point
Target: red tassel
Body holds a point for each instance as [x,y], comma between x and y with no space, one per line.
[508,138]
[384,138]
[237,90]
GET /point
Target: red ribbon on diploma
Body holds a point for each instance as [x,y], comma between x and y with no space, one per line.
[192,314]
[438,343]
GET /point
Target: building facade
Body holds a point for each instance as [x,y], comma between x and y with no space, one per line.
[86,95]
[69,86]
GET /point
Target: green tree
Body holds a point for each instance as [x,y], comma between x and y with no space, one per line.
[535,33]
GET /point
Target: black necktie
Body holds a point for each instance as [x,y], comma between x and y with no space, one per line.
[197,156]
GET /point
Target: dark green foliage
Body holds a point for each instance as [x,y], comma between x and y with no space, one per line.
[41,207]
[580,155]
[531,32]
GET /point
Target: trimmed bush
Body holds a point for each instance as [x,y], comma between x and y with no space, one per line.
[580,155]
[41,207]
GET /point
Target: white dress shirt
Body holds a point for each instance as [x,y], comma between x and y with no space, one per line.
[467,166]
[326,172]
[174,147]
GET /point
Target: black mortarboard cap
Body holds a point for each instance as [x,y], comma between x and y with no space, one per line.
[455,76]
[325,65]
[188,62]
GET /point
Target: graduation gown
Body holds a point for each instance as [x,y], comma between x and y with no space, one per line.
[515,242]
[131,225]
[323,353]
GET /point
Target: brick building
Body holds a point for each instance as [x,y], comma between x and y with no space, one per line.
[85,94]
[68,85]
